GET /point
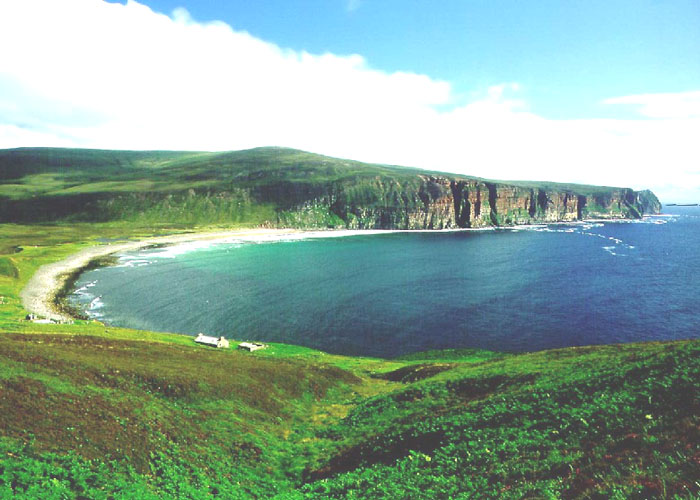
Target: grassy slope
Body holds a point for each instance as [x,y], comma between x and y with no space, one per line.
[105,415]
[96,412]
[257,186]
[598,422]
[242,187]
[57,172]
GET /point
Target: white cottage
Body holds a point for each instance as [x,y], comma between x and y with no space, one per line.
[211,341]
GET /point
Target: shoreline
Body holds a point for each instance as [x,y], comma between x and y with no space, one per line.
[39,296]
[41,291]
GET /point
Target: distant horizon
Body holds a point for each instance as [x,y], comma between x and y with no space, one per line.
[605,92]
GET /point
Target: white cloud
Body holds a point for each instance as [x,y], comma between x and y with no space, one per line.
[667,105]
[93,74]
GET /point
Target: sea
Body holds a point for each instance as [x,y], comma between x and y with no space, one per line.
[515,289]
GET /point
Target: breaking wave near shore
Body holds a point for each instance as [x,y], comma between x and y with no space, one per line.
[612,244]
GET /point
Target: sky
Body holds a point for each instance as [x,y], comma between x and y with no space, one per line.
[597,92]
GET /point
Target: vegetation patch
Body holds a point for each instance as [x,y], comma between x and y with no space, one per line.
[8,268]
[113,414]
[555,429]
[412,373]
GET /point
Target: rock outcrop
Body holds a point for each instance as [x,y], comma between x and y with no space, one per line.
[442,202]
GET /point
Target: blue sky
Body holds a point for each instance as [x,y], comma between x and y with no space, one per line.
[567,55]
[596,92]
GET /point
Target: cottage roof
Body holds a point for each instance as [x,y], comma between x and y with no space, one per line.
[212,341]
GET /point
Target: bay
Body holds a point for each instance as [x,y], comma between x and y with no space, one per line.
[516,290]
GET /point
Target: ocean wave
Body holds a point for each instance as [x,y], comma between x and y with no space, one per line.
[96,303]
[537,228]
[611,251]
[170,252]
[83,289]
[133,262]
[582,229]
[528,227]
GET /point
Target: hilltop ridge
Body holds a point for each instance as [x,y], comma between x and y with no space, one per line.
[283,187]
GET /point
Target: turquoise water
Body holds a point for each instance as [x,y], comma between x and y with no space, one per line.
[386,295]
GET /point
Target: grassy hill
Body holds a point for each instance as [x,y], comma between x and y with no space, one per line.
[121,414]
[241,186]
[277,186]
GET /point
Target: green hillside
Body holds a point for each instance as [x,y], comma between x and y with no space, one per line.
[119,414]
[246,187]
[273,187]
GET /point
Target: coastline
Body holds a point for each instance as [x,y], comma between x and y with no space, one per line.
[41,291]
[39,294]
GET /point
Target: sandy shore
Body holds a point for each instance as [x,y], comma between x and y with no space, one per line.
[40,292]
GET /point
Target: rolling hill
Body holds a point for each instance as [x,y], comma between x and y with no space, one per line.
[120,414]
[282,187]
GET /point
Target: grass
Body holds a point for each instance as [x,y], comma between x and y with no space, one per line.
[91,411]
[598,422]
[170,418]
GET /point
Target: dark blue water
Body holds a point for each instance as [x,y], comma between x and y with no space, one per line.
[385,295]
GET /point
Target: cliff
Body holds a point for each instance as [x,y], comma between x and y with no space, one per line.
[283,187]
[445,202]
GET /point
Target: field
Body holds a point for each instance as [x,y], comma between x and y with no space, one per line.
[91,411]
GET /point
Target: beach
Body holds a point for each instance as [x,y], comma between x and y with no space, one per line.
[38,296]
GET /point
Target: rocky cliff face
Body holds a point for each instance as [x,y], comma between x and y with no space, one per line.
[441,202]
[648,201]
